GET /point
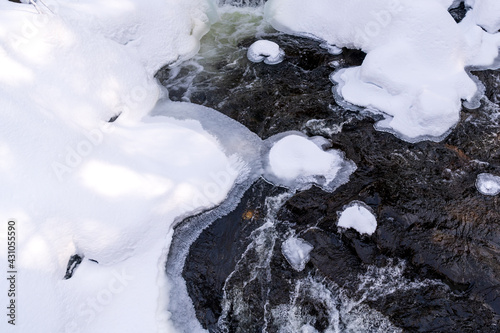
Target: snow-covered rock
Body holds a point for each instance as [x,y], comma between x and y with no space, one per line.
[297,162]
[358,216]
[414,71]
[267,51]
[488,184]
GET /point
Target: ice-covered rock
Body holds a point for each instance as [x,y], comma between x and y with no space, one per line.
[267,51]
[358,216]
[488,184]
[296,251]
[296,161]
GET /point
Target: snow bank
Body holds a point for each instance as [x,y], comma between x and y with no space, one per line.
[358,215]
[159,32]
[297,162]
[414,71]
[488,184]
[85,170]
[267,51]
[296,251]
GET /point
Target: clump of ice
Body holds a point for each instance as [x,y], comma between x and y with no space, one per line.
[488,184]
[414,71]
[296,252]
[267,51]
[296,161]
[358,215]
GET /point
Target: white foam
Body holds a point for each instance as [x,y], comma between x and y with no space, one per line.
[488,184]
[267,51]
[358,215]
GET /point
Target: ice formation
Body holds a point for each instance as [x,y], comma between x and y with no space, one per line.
[267,51]
[296,251]
[358,216]
[488,184]
[297,162]
[414,71]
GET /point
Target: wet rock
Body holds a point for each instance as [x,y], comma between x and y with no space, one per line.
[428,210]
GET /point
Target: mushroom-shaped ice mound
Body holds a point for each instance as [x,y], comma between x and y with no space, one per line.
[488,184]
[358,216]
[296,161]
[296,252]
[267,51]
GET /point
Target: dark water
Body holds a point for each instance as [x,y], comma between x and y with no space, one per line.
[433,265]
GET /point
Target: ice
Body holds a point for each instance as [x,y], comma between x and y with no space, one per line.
[414,72]
[296,161]
[358,215]
[488,184]
[267,51]
[296,251]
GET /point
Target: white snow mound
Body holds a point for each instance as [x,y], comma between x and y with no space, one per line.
[414,71]
[297,162]
[488,184]
[267,51]
[359,217]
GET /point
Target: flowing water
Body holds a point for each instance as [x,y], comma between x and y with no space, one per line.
[232,276]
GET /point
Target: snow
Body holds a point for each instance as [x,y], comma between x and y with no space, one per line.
[76,183]
[296,252]
[267,51]
[358,215]
[488,184]
[414,72]
[296,161]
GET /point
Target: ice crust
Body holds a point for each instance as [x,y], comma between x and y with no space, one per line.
[297,162]
[358,215]
[414,72]
[488,184]
[267,51]
[296,252]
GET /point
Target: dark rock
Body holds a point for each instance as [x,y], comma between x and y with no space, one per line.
[74,261]
[429,212]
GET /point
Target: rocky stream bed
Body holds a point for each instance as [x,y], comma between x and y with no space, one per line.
[433,263]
